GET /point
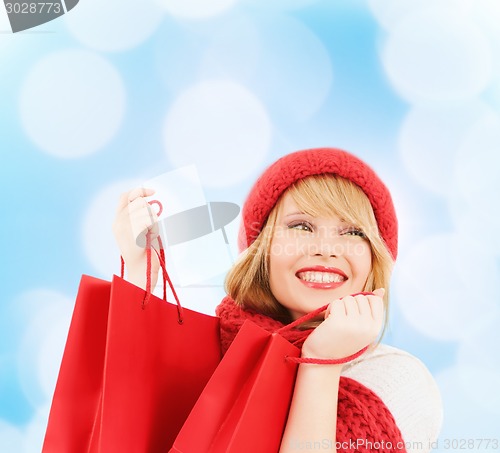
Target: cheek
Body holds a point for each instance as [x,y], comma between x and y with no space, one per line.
[362,261]
[279,259]
[275,275]
[283,251]
[282,257]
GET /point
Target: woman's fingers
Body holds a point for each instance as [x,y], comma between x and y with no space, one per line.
[132,195]
[364,306]
[142,218]
[135,217]
[351,306]
[351,323]
[377,308]
[359,306]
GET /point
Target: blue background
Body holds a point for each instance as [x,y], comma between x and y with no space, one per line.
[109,96]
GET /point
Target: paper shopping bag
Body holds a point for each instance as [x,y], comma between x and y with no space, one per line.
[244,406]
[130,373]
[79,385]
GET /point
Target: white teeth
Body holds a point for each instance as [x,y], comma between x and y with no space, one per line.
[321,277]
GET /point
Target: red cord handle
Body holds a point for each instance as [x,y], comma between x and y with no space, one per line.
[303,319]
[166,278]
[160,206]
[162,260]
[326,361]
[315,361]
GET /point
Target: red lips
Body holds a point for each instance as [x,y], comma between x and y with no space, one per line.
[322,284]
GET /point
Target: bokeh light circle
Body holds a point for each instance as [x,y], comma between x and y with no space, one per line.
[98,241]
[476,183]
[222,128]
[11,437]
[280,5]
[34,432]
[477,169]
[196,9]
[232,50]
[464,417]
[72,103]
[114,25]
[437,55]
[435,290]
[38,367]
[478,357]
[390,13]
[430,138]
[295,73]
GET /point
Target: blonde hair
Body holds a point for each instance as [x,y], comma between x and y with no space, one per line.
[319,195]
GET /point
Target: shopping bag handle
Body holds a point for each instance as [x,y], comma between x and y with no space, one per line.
[166,278]
[162,260]
[310,316]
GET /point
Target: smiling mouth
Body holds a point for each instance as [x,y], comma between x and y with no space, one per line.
[320,277]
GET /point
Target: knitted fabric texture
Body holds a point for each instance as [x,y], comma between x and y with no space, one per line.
[364,423]
[292,167]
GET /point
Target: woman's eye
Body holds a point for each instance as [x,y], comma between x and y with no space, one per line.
[303,226]
[355,232]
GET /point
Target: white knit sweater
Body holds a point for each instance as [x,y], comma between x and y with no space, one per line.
[408,390]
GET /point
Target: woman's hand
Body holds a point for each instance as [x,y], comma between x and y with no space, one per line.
[134,217]
[350,324]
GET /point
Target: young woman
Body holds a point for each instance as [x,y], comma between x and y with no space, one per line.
[319,228]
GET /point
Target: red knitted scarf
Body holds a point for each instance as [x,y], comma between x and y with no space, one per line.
[364,424]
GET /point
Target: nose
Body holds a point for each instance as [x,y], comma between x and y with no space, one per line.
[326,246]
[323,251]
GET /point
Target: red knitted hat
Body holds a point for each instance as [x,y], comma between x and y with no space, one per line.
[292,167]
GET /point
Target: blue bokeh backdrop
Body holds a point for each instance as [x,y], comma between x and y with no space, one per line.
[109,96]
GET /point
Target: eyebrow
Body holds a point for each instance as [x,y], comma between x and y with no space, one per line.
[295,213]
[291,214]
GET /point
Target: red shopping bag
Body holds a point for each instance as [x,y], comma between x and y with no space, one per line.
[79,385]
[244,406]
[132,369]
